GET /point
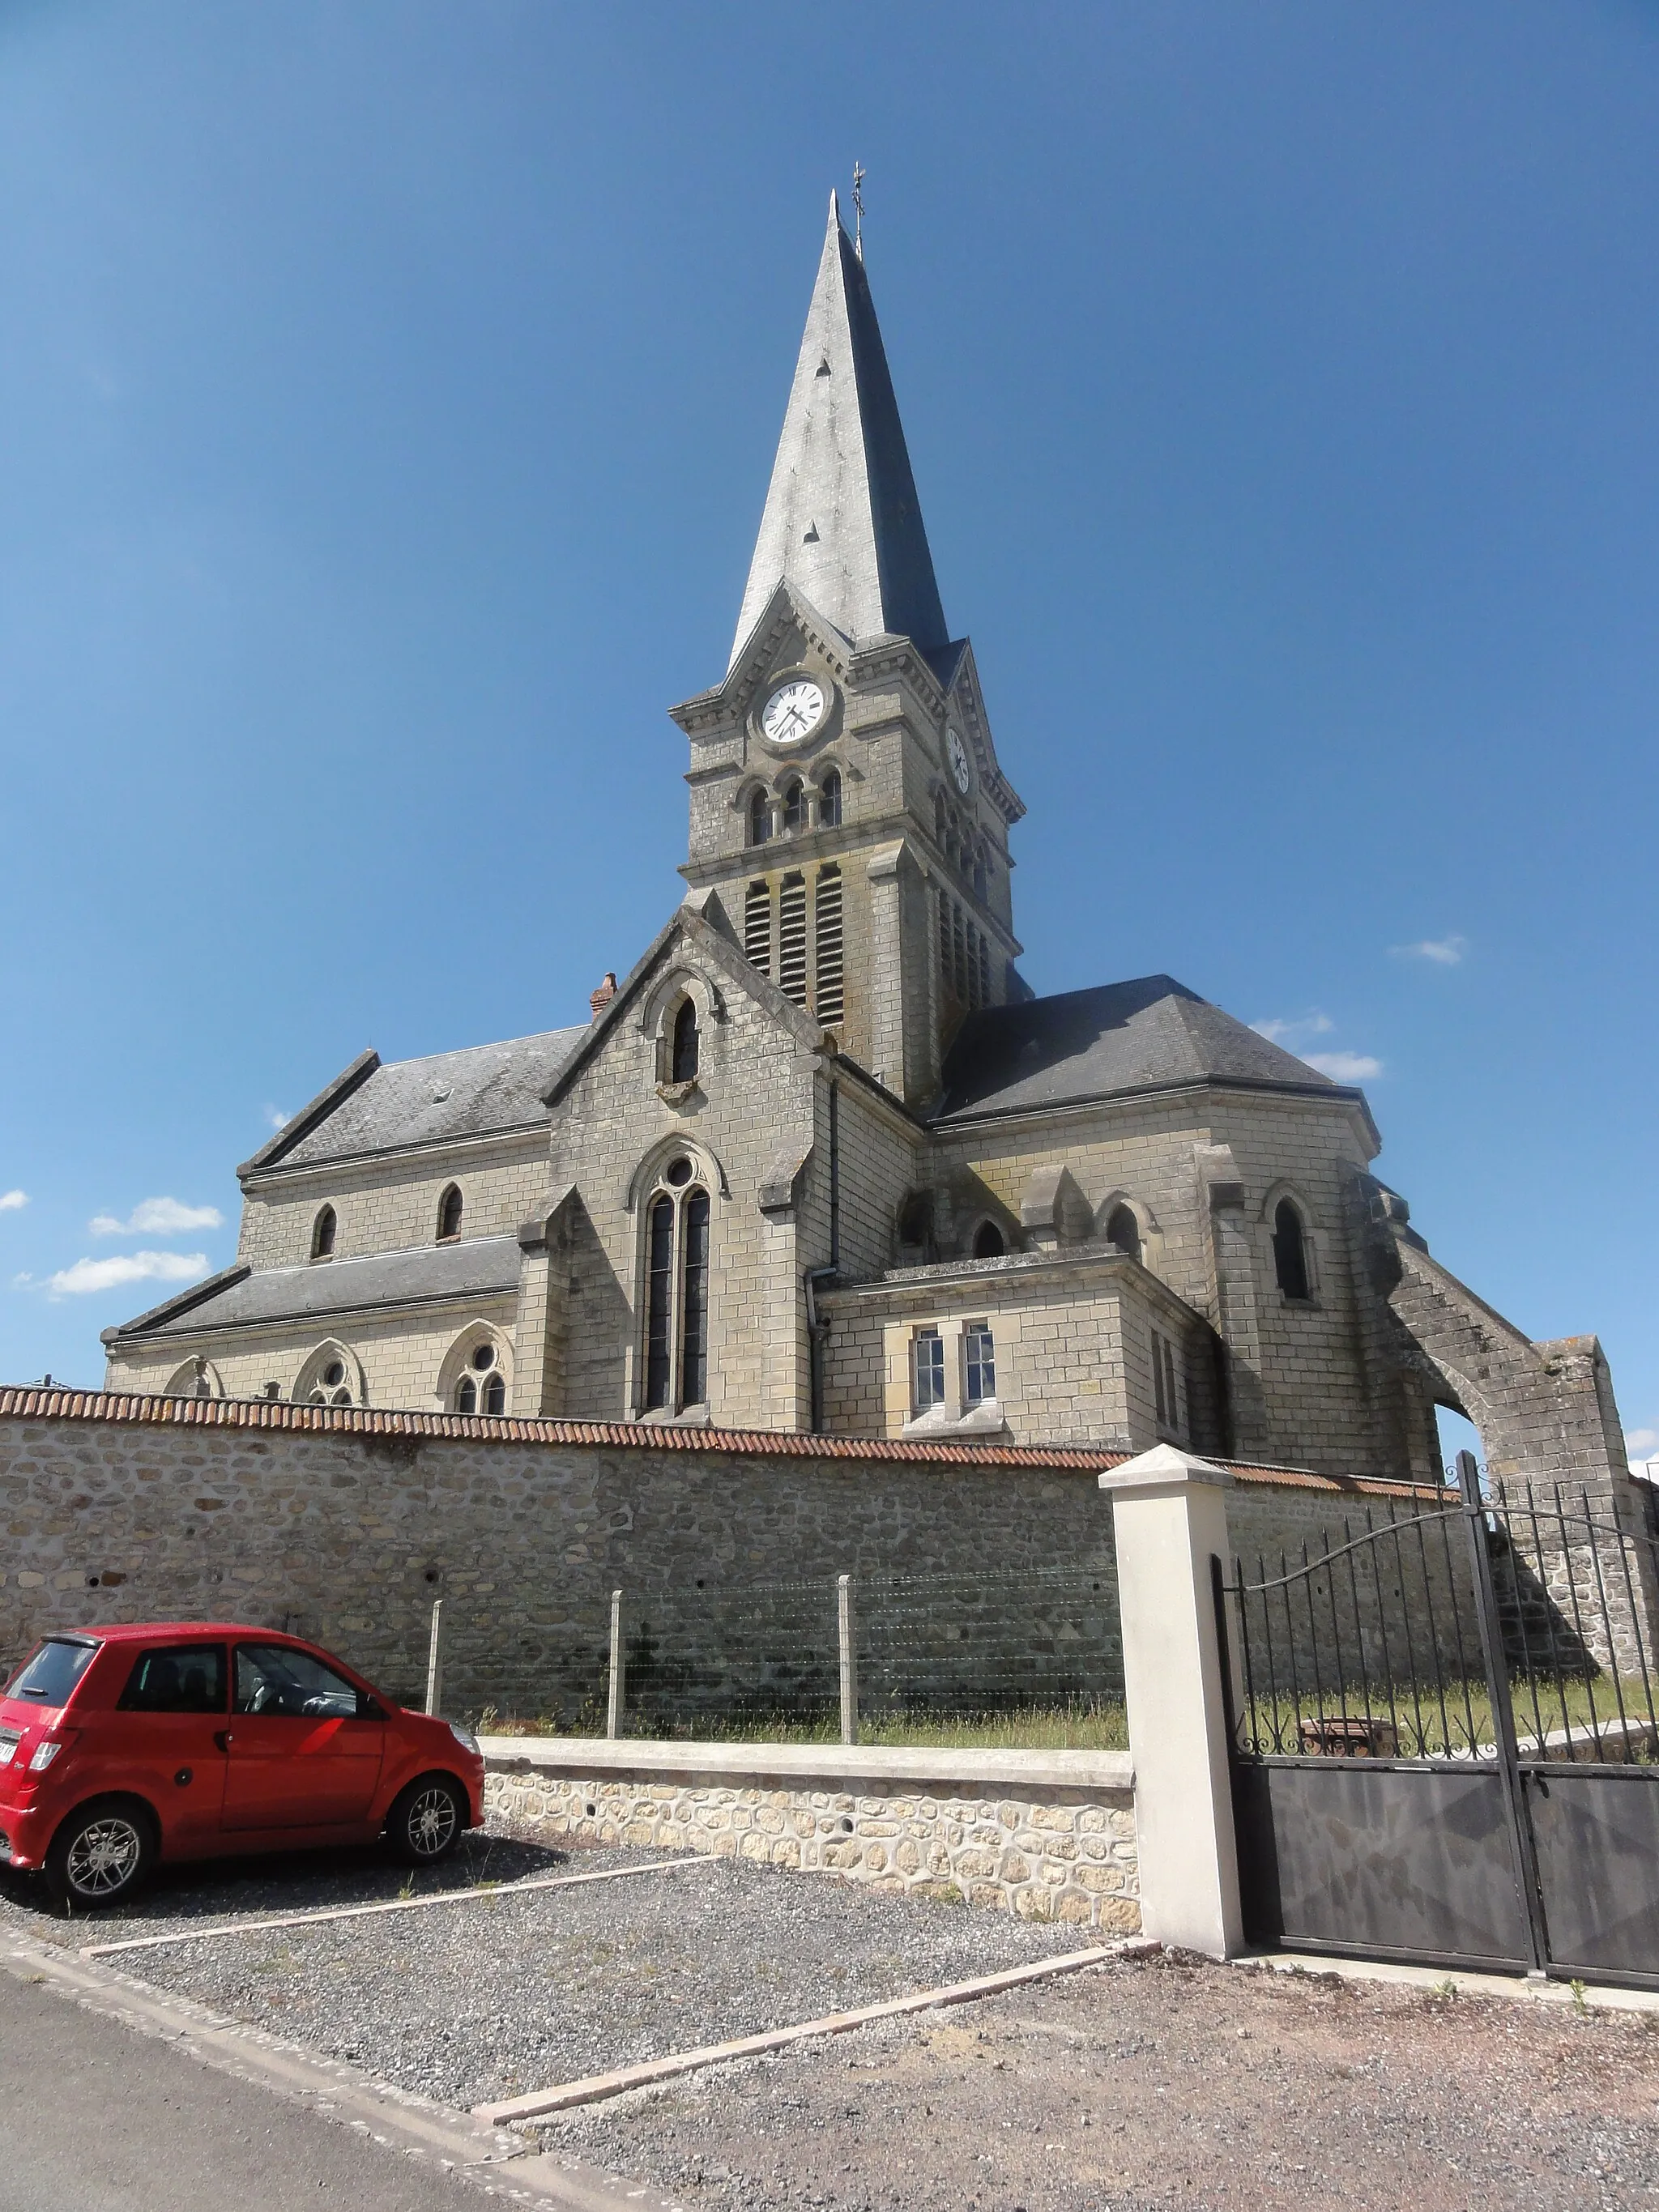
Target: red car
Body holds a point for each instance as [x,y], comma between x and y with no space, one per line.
[119,1747]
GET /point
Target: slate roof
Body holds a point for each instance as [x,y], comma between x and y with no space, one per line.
[842,521]
[1142,1035]
[479,1091]
[477,1267]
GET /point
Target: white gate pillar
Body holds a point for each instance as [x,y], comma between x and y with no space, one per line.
[1169,1518]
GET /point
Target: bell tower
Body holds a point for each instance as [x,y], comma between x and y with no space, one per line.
[849,816]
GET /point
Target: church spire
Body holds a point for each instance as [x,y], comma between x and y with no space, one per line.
[842,522]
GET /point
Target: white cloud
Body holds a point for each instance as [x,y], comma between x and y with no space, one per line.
[158,1217]
[1278,1032]
[276,1118]
[12,1201]
[21,1282]
[90,1275]
[1344,1066]
[1444,951]
[1640,1442]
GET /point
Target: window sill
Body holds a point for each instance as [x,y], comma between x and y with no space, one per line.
[688,1417]
[982,1420]
[1309,1305]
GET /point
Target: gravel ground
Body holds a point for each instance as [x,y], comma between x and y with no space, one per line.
[1164,2081]
[473,2001]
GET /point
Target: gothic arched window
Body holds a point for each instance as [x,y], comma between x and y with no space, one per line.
[794,805]
[684,1062]
[829,800]
[483,1388]
[676,1291]
[1124,1230]
[332,1386]
[1290,1251]
[322,1235]
[449,1214]
[759,819]
[989,1242]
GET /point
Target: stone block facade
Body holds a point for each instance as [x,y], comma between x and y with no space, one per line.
[1050,1853]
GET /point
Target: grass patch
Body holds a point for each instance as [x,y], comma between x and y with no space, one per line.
[1085,1725]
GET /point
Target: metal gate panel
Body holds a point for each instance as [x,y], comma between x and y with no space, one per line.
[1597,1831]
[1354,1855]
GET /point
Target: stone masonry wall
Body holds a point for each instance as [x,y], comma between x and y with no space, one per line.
[345,1525]
[1056,1854]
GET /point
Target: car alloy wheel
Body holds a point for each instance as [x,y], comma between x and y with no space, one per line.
[431,1821]
[104,1858]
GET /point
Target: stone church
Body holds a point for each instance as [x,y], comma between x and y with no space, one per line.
[821,1161]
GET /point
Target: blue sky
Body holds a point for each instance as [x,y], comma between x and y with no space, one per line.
[388,395]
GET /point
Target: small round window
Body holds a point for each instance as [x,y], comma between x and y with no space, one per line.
[679,1172]
[484,1357]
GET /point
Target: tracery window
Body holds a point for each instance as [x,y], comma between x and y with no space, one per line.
[449,1214]
[322,1235]
[829,801]
[1290,1251]
[331,1387]
[481,1387]
[677,1291]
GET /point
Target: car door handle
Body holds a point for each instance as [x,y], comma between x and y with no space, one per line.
[223,1738]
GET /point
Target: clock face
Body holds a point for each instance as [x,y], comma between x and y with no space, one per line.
[793,711]
[958,753]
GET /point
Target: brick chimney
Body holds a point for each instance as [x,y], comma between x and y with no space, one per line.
[599,999]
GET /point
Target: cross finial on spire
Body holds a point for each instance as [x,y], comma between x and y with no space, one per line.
[859,175]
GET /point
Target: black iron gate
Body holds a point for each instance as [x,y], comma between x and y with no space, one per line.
[1445,1738]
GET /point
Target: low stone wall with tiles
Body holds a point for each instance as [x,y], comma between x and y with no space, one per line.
[1044,1835]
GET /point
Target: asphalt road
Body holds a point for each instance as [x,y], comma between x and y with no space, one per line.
[96,2118]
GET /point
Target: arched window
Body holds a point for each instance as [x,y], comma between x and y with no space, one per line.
[322,1235]
[1290,1250]
[989,1242]
[759,819]
[685,1060]
[794,805]
[981,878]
[332,1387]
[676,1291]
[1124,1230]
[449,1214]
[481,1387]
[829,800]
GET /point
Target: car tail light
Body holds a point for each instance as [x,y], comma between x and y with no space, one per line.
[47,1750]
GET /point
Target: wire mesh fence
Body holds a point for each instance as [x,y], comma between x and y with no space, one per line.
[1026,1654]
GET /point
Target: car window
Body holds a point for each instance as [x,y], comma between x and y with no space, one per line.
[54,1670]
[273,1677]
[177,1677]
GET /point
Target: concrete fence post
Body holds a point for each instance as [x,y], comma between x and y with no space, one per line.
[435,1658]
[1169,1519]
[616,1697]
[846,1628]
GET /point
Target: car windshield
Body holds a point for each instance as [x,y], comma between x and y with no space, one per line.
[53,1672]
[273,1678]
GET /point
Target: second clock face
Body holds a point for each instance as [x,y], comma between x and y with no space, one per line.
[958,753]
[793,711]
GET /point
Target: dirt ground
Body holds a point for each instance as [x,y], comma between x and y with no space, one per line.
[1169,2082]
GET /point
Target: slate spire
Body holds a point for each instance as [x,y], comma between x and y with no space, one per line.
[842,522]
